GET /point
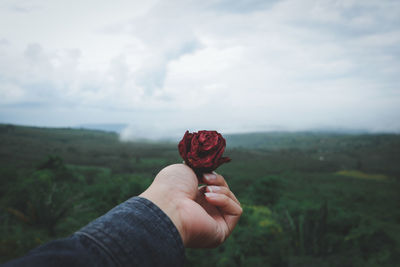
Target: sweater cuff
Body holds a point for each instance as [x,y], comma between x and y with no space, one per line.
[138,233]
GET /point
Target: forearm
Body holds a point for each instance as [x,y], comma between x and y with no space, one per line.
[135,233]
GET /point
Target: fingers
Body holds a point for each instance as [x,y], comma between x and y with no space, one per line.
[221,190]
[218,194]
[218,182]
[226,204]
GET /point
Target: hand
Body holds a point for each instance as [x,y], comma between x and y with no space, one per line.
[204,216]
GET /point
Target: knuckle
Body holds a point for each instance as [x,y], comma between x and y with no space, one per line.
[225,191]
[240,211]
[225,199]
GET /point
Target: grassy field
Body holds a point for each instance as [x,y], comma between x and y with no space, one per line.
[310,199]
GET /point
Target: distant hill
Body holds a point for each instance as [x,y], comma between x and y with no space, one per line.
[24,145]
[108,133]
[21,145]
[107,127]
[311,140]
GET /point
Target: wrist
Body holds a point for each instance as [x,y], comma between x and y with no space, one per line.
[169,205]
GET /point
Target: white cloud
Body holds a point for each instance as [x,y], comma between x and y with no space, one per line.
[166,66]
[10,93]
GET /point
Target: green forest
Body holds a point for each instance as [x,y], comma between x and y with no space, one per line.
[309,198]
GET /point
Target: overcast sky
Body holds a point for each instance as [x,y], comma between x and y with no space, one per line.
[234,66]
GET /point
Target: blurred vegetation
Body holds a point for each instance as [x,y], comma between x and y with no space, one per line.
[309,199]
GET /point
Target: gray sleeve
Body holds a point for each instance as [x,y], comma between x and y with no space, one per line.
[136,233]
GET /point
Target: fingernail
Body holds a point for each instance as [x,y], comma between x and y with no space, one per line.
[213,188]
[211,195]
[210,176]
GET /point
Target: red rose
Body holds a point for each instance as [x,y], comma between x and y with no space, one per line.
[202,151]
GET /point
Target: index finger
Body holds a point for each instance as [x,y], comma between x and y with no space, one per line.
[214,179]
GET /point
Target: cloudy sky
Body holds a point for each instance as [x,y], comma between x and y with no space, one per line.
[235,66]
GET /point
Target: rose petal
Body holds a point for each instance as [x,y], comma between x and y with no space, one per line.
[203,150]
